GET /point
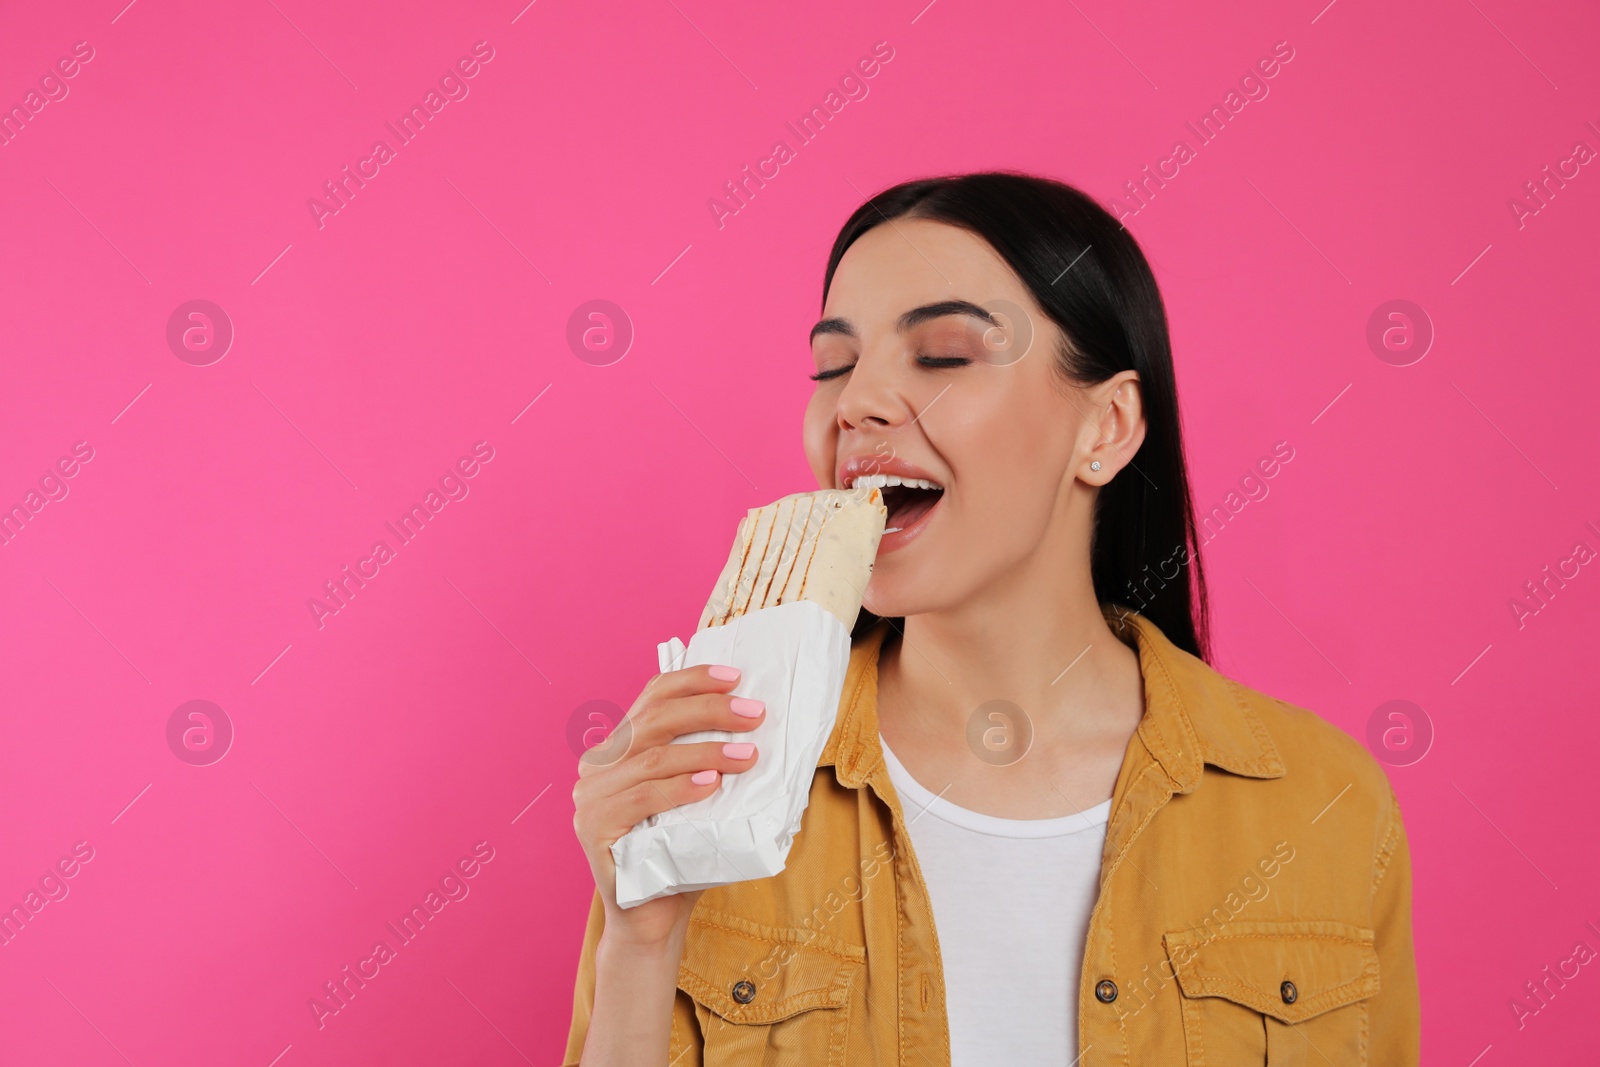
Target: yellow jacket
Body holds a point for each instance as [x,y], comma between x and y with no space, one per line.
[1254,905]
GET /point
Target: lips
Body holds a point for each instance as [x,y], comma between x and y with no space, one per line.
[910,494]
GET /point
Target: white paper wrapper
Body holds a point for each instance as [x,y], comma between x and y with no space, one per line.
[793,658]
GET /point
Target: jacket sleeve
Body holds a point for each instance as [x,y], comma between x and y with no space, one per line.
[583,988]
[1394,1030]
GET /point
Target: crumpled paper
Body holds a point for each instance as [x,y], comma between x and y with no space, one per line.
[793,658]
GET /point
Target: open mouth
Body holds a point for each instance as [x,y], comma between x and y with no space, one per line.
[908,500]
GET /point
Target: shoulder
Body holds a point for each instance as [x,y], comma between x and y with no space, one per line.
[1311,745]
[1325,769]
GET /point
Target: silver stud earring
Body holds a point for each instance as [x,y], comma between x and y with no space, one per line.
[1095,465]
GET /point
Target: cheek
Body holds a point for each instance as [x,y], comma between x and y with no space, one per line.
[820,439]
[997,441]
[1009,449]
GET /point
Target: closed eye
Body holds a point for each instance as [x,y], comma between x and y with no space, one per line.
[931,362]
[942,361]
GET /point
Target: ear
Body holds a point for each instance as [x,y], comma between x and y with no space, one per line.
[1114,428]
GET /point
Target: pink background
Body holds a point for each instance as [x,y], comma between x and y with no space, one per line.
[426,716]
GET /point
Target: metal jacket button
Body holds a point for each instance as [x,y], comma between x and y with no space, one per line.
[1289,993]
[744,991]
[1106,991]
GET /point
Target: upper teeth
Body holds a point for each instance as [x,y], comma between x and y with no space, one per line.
[883,481]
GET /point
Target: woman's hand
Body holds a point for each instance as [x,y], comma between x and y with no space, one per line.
[638,772]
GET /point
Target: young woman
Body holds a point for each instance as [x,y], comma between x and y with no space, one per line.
[1044,830]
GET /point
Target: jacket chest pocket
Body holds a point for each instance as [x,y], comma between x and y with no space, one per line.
[1279,993]
[767,995]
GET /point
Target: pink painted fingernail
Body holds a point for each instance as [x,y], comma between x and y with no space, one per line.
[738,750]
[704,777]
[725,674]
[746,707]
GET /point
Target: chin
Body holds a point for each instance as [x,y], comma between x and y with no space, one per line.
[879,601]
[898,597]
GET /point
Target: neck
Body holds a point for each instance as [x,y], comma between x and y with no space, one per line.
[1035,639]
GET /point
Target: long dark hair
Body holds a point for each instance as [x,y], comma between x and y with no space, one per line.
[1090,277]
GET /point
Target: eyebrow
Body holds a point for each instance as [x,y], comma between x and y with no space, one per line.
[915,317]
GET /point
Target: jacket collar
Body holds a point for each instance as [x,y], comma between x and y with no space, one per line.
[1192,716]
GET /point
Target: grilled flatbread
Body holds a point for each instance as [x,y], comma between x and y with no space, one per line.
[810,546]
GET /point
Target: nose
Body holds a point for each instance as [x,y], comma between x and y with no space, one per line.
[873,397]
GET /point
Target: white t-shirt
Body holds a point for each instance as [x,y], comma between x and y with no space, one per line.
[1011,902]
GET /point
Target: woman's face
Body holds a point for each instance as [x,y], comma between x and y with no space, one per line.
[918,382]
